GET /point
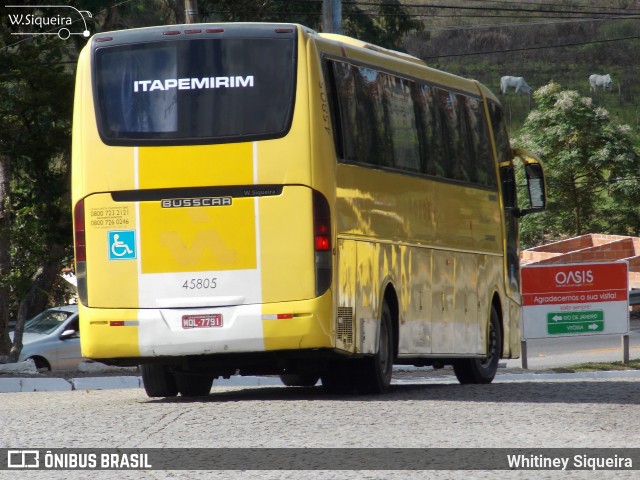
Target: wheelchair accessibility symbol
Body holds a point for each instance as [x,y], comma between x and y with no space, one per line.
[122,245]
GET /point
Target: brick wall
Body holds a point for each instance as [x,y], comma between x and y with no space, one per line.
[590,248]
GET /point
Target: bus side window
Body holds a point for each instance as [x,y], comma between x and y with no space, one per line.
[334,109]
[460,164]
[466,169]
[499,133]
[434,135]
[346,111]
[374,138]
[358,102]
[452,133]
[480,143]
[400,113]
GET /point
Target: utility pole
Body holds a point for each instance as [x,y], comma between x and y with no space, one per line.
[332,16]
[190,11]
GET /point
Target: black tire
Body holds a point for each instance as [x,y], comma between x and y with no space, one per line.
[158,381]
[339,378]
[482,370]
[374,373]
[193,385]
[299,379]
[42,365]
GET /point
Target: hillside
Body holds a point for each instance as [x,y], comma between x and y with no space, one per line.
[562,41]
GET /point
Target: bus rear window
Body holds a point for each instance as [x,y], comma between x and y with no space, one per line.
[195,91]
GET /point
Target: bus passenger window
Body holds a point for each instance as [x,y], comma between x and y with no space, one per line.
[376,142]
[447,102]
[465,167]
[429,127]
[402,122]
[345,92]
[480,144]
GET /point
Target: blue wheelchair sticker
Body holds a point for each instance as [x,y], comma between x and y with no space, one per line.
[122,245]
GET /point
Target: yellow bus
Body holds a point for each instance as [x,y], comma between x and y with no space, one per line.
[262,199]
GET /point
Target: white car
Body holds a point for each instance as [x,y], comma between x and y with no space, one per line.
[52,339]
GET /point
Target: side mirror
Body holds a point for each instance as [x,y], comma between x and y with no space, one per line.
[67,334]
[536,185]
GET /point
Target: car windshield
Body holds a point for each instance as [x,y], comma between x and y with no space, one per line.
[46,322]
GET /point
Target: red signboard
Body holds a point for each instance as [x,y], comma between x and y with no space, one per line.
[574,283]
[575,299]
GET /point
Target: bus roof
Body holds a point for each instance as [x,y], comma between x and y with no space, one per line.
[359,43]
[352,49]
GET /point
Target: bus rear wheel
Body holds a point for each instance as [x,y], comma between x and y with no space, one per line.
[193,385]
[299,379]
[482,370]
[373,374]
[339,378]
[158,381]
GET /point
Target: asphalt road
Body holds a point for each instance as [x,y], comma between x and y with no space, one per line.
[517,412]
[423,410]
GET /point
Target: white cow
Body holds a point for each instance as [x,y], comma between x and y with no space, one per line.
[603,81]
[514,82]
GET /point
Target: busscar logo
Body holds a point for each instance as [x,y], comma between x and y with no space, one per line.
[197,202]
[61,20]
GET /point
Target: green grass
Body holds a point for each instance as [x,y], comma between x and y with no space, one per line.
[598,367]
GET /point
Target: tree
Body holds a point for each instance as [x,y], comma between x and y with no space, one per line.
[593,172]
[387,24]
[384,23]
[36,98]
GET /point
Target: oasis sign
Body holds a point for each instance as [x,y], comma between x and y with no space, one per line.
[575,299]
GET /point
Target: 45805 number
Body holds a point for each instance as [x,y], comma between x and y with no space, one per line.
[200,283]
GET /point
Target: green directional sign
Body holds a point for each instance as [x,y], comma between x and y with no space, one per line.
[590,321]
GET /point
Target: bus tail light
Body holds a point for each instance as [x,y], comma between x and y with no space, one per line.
[278,316]
[322,242]
[80,250]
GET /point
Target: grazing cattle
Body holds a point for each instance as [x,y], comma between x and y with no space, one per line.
[603,81]
[514,82]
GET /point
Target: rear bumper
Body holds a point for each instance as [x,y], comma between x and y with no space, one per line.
[150,333]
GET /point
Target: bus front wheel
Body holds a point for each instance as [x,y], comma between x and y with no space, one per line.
[158,381]
[482,370]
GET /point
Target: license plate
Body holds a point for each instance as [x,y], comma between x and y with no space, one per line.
[202,321]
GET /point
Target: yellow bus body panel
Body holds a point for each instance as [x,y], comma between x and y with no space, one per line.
[198,239]
[113,284]
[99,339]
[309,328]
[196,166]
